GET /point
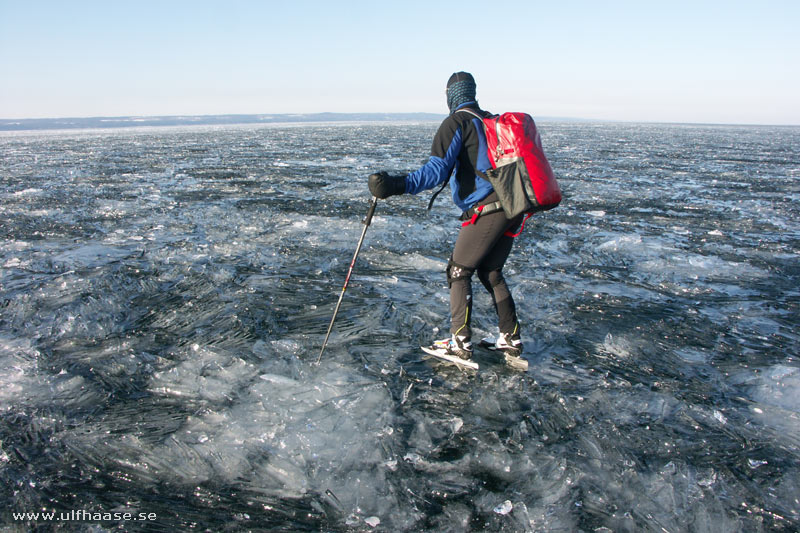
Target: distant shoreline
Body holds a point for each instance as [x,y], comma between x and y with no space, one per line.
[86,123]
[41,124]
[33,124]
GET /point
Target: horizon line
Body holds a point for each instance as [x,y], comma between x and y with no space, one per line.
[124,121]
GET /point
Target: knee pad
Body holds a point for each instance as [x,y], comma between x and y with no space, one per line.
[456,272]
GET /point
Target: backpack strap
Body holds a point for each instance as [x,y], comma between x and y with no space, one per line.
[430,204]
[471,112]
[511,234]
[480,117]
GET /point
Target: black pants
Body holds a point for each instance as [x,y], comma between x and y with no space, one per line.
[484,248]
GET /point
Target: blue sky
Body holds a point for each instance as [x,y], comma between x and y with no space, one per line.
[694,61]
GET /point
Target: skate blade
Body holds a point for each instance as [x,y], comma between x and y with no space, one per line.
[516,362]
[466,363]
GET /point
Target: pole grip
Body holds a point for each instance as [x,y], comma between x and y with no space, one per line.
[368,219]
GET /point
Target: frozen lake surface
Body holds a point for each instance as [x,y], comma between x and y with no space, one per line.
[164,294]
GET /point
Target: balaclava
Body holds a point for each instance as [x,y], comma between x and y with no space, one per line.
[460,90]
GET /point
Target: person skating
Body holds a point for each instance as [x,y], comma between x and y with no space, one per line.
[459,153]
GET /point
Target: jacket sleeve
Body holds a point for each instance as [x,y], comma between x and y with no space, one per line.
[443,161]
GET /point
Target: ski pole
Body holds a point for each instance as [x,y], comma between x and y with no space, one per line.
[366,222]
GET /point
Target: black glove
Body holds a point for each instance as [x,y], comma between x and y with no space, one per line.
[382,185]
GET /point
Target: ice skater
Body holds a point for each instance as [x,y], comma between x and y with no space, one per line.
[485,239]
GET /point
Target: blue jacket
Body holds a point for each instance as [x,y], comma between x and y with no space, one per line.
[459,148]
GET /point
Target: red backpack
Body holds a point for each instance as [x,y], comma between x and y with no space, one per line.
[520,173]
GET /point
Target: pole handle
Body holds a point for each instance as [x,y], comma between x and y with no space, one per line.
[368,219]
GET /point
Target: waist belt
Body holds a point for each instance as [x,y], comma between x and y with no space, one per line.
[470,216]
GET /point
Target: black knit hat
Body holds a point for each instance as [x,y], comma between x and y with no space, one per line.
[460,90]
[460,76]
